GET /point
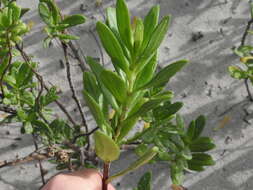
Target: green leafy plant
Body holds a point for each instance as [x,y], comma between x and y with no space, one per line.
[244,51]
[134,92]
[131,94]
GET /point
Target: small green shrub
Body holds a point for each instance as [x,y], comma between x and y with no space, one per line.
[245,71]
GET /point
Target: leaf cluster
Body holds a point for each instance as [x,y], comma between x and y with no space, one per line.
[11,26]
[56,23]
[245,52]
[134,92]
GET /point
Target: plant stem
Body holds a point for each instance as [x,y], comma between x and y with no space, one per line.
[77,55]
[40,164]
[74,96]
[105,175]
[245,34]
[248,90]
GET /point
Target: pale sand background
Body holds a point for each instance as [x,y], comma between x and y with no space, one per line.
[204,86]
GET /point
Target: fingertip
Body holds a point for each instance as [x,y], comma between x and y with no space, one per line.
[110,187]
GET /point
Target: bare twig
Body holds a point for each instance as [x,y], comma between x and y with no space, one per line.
[74,96]
[248,90]
[245,34]
[31,157]
[43,154]
[40,164]
[83,135]
[77,55]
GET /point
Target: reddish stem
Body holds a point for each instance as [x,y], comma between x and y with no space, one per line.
[105,176]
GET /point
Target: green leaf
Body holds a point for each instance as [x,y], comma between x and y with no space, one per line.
[195,167]
[97,70]
[24,76]
[135,102]
[44,128]
[199,126]
[115,85]
[54,11]
[7,101]
[45,13]
[3,65]
[16,11]
[126,127]
[73,20]
[28,127]
[167,143]
[138,35]
[202,144]
[165,74]
[201,159]
[165,156]
[150,23]
[186,153]
[178,141]
[46,42]
[112,46]
[145,181]
[106,149]
[138,163]
[61,130]
[166,111]
[112,23]
[5,19]
[22,114]
[9,16]
[112,19]
[177,174]
[157,37]
[90,85]
[67,37]
[180,123]
[141,149]
[124,23]
[147,73]
[243,51]
[151,104]
[28,98]
[95,110]
[50,97]
[237,72]
[191,130]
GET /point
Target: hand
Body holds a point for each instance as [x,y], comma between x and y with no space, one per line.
[88,179]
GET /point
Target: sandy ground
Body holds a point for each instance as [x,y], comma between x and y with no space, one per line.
[204,86]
